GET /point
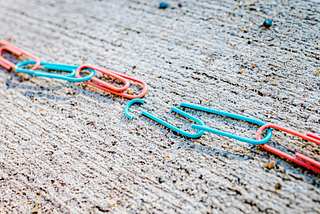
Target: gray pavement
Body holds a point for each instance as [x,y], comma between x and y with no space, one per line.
[68,148]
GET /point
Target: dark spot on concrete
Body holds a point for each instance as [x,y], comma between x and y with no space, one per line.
[278,186]
[160,180]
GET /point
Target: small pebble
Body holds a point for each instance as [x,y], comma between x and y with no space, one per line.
[267,23]
[163,5]
[278,186]
[269,165]
[281,168]
[112,203]
[34,210]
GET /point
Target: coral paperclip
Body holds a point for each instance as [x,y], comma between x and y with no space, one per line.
[102,83]
[299,158]
[53,66]
[106,88]
[17,51]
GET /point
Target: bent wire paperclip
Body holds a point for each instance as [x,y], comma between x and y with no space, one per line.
[54,66]
[17,51]
[218,132]
[102,83]
[187,134]
[126,109]
[299,158]
[102,87]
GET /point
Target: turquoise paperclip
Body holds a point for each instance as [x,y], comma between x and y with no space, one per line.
[187,134]
[57,67]
[126,109]
[215,131]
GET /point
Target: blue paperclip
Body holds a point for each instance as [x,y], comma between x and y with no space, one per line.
[52,66]
[126,109]
[187,134]
[215,131]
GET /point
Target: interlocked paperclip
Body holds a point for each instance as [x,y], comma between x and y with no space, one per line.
[218,132]
[54,66]
[187,134]
[105,88]
[102,83]
[17,51]
[300,158]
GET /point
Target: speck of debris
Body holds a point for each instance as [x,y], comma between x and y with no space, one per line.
[278,186]
[35,210]
[267,23]
[163,5]
[269,165]
[180,4]
[160,180]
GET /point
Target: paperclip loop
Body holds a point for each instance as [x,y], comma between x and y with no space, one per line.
[307,162]
[17,51]
[187,134]
[144,91]
[313,135]
[218,132]
[126,109]
[102,83]
[54,66]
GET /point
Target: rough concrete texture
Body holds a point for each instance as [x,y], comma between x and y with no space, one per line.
[68,148]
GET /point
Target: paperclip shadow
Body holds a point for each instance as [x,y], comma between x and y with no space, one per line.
[187,134]
[54,66]
[218,132]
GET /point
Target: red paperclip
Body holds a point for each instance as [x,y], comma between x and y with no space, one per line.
[17,51]
[307,162]
[104,84]
[144,91]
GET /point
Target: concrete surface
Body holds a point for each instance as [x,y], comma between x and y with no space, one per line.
[68,148]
